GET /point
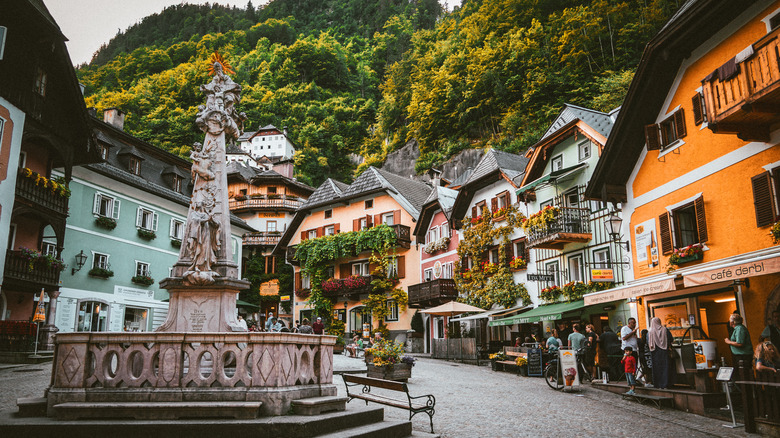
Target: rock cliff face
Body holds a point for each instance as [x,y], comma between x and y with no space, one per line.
[401,162]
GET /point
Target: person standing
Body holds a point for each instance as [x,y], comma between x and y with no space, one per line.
[553,343]
[242,323]
[771,331]
[318,327]
[305,328]
[576,339]
[659,340]
[767,358]
[628,335]
[269,321]
[741,347]
[610,345]
[591,344]
[629,366]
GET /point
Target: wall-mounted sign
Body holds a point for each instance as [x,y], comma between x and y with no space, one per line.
[437,269]
[603,275]
[541,277]
[284,298]
[645,242]
[269,287]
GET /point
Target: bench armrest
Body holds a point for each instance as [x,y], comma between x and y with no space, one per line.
[430,402]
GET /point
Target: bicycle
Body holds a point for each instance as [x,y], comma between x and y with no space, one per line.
[553,374]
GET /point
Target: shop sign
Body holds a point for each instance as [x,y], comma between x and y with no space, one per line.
[743,270]
[626,292]
[269,287]
[284,298]
[131,292]
[541,277]
[603,275]
[645,243]
[569,367]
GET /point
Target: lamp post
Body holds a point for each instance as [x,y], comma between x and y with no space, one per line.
[613,224]
[81,258]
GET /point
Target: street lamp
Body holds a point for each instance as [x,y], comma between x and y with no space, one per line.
[81,258]
[613,224]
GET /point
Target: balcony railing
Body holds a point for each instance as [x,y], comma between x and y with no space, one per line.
[18,273]
[745,100]
[41,197]
[264,201]
[262,238]
[345,291]
[402,233]
[432,293]
[571,225]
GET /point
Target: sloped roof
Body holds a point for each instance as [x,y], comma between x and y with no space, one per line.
[240,169]
[509,164]
[440,198]
[600,122]
[328,191]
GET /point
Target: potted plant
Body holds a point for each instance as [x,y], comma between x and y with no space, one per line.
[176,243]
[105,222]
[522,363]
[143,280]
[388,363]
[495,357]
[100,273]
[688,254]
[517,263]
[146,234]
[574,290]
[550,294]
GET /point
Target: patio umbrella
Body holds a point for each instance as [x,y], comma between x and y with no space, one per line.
[449,310]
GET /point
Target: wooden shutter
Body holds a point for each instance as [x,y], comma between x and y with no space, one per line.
[509,250]
[372,267]
[401,266]
[345,270]
[526,252]
[298,283]
[377,220]
[397,217]
[652,137]
[507,199]
[355,224]
[336,228]
[474,213]
[762,199]
[679,123]
[96,204]
[698,110]
[494,204]
[320,231]
[155,219]
[701,220]
[304,235]
[665,234]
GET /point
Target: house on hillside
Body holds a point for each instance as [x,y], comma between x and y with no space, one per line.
[694,161]
[125,229]
[44,133]
[267,141]
[572,251]
[378,208]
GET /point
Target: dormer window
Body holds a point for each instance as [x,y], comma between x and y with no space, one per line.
[557,163]
[103,151]
[177,183]
[40,82]
[134,166]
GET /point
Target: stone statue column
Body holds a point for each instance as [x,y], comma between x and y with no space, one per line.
[49,329]
[205,280]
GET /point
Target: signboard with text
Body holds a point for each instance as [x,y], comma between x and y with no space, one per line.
[733,272]
[541,277]
[603,275]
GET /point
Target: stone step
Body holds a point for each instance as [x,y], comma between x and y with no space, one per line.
[418,434]
[384,429]
[156,410]
[31,406]
[318,405]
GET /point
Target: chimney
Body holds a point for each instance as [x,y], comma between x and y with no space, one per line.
[285,131]
[114,117]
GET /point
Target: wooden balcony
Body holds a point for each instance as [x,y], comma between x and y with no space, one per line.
[403,235]
[432,293]
[572,225]
[747,103]
[279,202]
[262,238]
[19,276]
[39,197]
[352,293]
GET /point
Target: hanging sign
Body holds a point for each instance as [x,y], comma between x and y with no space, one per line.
[541,277]
[603,275]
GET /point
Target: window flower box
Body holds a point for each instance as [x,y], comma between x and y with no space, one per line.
[240,197]
[176,243]
[143,280]
[100,273]
[775,232]
[517,264]
[105,222]
[437,245]
[688,254]
[550,294]
[146,234]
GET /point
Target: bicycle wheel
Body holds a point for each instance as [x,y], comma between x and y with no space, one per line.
[553,377]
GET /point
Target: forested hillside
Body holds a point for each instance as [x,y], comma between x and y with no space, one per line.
[365,76]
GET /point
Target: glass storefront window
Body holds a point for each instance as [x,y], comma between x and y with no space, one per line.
[93,316]
[135,319]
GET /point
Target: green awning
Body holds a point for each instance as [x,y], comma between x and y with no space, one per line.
[241,303]
[554,176]
[550,312]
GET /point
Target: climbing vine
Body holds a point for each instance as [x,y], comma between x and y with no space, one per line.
[488,283]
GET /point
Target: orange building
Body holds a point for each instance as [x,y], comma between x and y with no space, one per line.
[694,161]
[375,197]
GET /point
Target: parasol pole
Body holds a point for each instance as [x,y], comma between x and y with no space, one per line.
[40,315]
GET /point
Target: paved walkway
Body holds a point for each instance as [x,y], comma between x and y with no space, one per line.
[475,401]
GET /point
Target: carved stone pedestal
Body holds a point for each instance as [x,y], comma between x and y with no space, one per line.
[206,308]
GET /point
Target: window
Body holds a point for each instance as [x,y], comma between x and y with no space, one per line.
[360,268]
[100,260]
[177,229]
[683,226]
[330,230]
[49,248]
[428,274]
[494,256]
[392,311]
[476,210]
[584,150]
[177,183]
[662,135]
[362,223]
[601,259]
[433,234]
[557,163]
[445,229]
[576,271]
[520,250]
[766,197]
[3,31]
[446,270]
[103,151]
[392,268]
[388,218]
[134,166]
[312,234]
[146,219]
[305,281]
[142,268]
[40,82]
[135,319]
[271,189]
[105,206]
[93,316]
[554,269]
[328,214]
[369,203]
[572,199]
[270,226]
[699,109]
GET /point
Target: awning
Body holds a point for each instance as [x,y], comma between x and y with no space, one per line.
[550,312]
[552,176]
[733,270]
[637,289]
[489,313]
[241,303]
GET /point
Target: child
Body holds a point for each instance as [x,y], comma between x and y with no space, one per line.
[629,364]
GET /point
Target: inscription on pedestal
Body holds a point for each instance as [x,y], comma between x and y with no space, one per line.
[197,320]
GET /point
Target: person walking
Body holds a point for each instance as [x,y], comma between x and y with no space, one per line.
[659,340]
[591,345]
[318,327]
[741,347]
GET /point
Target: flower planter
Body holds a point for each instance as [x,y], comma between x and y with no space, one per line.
[400,372]
[100,273]
[105,222]
[690,258]
[338,349]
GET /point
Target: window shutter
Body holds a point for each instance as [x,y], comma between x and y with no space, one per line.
[171,230]
[507,199]
[115,211]
[494,204]
[401,266]
[701,220]
[679,123]
[698,111]
[665,234]
[397,217]
[304,235]
[96,204]
[320,231]
[345,270]
[776,180]
[155,218]
[298,283]
[139,217]
[762,199]
[355,224]
[377,220]
[652,137]
[372,267]
[474,213]
[526,252]
[509,251]
[336,228]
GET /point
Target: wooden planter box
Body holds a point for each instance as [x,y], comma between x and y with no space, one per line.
[338,349]
[693,258]
[400,372]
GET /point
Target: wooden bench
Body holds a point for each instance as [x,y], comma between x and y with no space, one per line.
[655,399]
[513,353]
[414,407]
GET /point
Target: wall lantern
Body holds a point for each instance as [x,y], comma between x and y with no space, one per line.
[81,258]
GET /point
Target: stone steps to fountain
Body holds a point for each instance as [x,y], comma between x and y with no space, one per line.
[157,410]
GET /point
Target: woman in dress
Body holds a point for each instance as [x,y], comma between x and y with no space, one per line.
[659,339]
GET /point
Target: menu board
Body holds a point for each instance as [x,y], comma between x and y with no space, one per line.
[66,314]
[535,362]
